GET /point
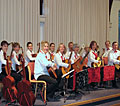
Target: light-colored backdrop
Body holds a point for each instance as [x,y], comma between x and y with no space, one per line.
[79,21]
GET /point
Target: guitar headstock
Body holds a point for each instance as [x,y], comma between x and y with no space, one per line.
[83,46]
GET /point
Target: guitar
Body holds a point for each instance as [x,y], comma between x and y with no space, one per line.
[66,70]
[117,65]
[51,70]
[9,89]
[25,95]
[78,65]
[99,63]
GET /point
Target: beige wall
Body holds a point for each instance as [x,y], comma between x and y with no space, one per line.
[79,21]
[113,35]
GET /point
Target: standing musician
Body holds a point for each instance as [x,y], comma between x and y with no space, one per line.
[112,59]
[41,72]
[4,45]
[70,49]
[92,58]
[107,48]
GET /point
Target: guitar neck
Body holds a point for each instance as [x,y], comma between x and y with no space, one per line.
[84,57]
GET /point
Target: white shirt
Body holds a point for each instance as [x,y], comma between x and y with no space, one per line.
[74,56]
[14,60]
[2,60]
[52,53]
[41,64]
[67,55]
[112,57]
[48,55]
[29,57]
[107,52]
[58,60]
[91,58]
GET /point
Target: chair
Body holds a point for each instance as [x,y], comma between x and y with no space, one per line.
[31,72]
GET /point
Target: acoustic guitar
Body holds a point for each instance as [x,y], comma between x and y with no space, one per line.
[78,65]
[99,63]
[66,70]
[9,89]
[117,65]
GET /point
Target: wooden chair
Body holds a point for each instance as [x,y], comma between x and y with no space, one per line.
[31,73]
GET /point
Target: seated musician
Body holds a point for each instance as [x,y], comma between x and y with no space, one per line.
[41,72]
[51,53]
[86,49]
[112,59]
[70,49]
[29,52]
[59,59]
[16,76]
[75,54]
[107,48]
[74,57]
[29,57]
[92,57]
[4,48]
[60,56]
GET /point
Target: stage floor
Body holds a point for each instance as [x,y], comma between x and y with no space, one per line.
[101,92]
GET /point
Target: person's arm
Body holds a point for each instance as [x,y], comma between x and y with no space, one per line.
[44,61]
[113,60]
[3,61]
[59,61]
[90,56]
[28,54]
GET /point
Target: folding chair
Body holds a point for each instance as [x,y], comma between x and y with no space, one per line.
[31,73]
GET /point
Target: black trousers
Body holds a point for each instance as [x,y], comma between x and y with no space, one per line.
[114,81]
[14,74]
[52,84]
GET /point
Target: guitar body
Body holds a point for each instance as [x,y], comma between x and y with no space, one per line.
[117,65]
[25,94]
[97,64]
[52,57]
[9,90]
[66,70]
[52,72]
[78,66]
[34,55]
